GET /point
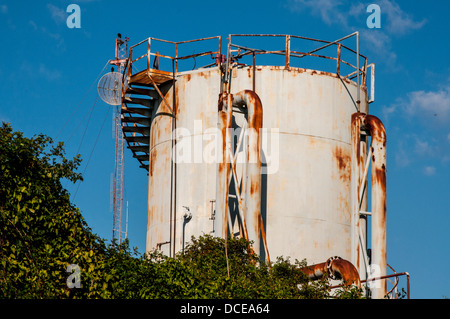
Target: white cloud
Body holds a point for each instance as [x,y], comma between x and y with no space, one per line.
[397,21]
[56,37]
[4,8]
[33,24]
[350,16]
[327,10]
[41,71]
[432,107]
[402,158]
[379,43]
[424,116]
[58,15]
[48,73]
[429,170]
[342,12]
[425,148]
[387,111]
[429,105]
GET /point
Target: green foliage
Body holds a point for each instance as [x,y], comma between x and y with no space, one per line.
[201,272]
[41,233]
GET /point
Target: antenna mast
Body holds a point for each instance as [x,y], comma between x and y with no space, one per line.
[120,61]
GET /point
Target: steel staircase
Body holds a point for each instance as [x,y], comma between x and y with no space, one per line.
[145,86]
[141,95]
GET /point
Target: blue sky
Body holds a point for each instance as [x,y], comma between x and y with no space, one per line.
[49,79]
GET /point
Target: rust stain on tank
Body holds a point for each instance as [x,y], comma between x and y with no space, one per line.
[250,72]
[180,86]
[203,74]
[343,161]
[152,161]
[222,163]
[150,217]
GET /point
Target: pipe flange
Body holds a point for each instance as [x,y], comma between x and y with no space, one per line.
[329,264]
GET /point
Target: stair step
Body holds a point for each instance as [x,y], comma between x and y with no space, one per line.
[144,157]
[138,139]
[140,148]
[158,76]
[137,110]
[139,120]
[142,91]
[135,100]
[144,130]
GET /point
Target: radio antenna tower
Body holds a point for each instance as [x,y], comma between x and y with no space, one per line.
[110,91]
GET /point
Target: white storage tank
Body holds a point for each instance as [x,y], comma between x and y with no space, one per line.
[307,199]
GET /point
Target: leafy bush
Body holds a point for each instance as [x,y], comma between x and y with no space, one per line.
[42,233]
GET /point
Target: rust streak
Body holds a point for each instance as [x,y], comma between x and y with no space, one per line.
[343,160]
[152,161]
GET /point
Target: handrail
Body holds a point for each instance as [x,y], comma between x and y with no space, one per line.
[173,42]
[359,71]
[299,37]
[173,57]
[297,54]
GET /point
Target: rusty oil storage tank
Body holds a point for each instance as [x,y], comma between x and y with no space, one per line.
[279,154]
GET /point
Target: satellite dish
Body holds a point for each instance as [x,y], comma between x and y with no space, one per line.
[110,88]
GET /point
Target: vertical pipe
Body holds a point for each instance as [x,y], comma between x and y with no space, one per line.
[176,58]
[355,189]
[226,83]
[364,158]
[378,197]
[221,70]
[288,51]
[372,82]
[174,162]
[377,150]
[219,53]
[148,54]
[253,185]
[338,66]
[363,231]
[223,169]
[358,96]
[130,59]
[365,72]
[254,72]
